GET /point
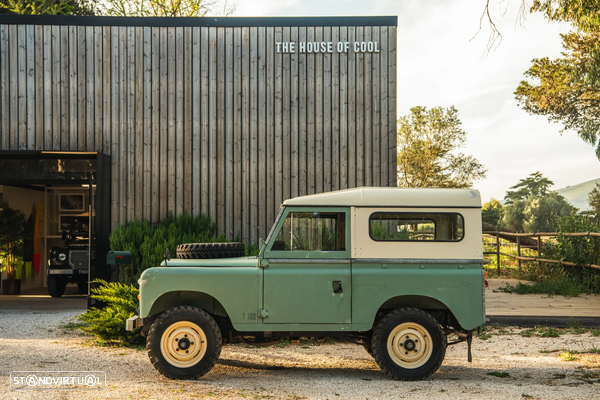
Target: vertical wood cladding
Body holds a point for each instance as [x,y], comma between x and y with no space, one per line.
[211,119]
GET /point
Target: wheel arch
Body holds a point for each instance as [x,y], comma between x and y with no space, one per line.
[176,298]
[440,311]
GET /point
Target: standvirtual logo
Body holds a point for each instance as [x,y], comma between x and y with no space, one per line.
[57,380]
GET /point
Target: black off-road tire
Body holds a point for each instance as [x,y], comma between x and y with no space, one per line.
[82,285]
[56,285]
[420,352]
[210,250]
[167,334]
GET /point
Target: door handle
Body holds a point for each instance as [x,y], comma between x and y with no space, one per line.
[337,287]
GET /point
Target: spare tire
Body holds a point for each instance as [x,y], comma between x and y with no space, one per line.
[210,250]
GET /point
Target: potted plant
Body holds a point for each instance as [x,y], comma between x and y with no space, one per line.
[12,243]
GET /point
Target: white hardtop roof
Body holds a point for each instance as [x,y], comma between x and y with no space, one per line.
[391,197]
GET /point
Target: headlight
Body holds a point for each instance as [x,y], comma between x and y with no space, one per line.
[62,257]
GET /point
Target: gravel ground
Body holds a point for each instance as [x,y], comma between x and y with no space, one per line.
[532,368]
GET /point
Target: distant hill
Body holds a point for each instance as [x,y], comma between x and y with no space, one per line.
[577,194]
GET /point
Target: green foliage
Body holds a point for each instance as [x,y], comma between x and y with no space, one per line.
[549,332]
[251,250]
[585,15]
[567,90]
[12,239]
[148,243]
[108,323]
[428,141]
[540,211]
[577,250]
[390,232]
[535,185]
[47,7]
[531,207]
[492,212]
[165,8]
[563,287]
[594,200]
[514,216]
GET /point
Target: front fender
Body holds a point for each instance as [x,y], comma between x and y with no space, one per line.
[235,288]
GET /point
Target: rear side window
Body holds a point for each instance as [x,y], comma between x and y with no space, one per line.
[408,227]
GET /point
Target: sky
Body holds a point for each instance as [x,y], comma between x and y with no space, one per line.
[442,61]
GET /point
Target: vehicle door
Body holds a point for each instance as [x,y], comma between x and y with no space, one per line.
[308,277]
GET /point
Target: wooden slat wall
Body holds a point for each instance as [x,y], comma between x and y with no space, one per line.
[205,119]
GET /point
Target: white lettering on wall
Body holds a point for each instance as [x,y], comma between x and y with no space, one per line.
[326,47]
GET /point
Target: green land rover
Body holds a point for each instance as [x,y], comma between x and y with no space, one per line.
[399,271]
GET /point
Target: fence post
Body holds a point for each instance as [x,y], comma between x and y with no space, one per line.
[498,250]
[519,251]
[539,250]
[594,256]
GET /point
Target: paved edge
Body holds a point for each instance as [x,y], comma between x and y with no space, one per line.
[531,321]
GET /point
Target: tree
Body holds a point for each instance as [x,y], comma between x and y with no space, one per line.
[567,90]
[427,156]
[534,185]
[165,8]
[532,207]
[594,199]
[49,7]
[491,212]
[540,211]
[514,216]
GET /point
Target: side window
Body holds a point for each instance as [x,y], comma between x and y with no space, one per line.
[307,231]
[398,226]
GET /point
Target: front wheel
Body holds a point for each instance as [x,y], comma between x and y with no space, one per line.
[184,343]
[56,285]
[409,344]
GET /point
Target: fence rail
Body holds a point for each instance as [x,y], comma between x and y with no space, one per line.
[539,236]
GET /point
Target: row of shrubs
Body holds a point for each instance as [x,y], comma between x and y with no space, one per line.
[148,243]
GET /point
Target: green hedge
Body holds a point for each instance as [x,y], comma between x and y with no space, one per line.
[148,243]
[108,323]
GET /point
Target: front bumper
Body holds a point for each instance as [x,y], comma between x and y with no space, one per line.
[133,323]
[67,271]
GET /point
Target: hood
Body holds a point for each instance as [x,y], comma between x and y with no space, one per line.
[212,262]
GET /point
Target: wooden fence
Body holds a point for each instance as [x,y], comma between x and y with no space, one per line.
[518,237]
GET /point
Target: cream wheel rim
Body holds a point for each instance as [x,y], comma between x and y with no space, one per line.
[409,345]
[183,344]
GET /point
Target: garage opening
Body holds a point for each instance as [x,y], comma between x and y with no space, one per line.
[65,199]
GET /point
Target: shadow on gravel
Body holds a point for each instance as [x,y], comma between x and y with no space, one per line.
[546,377]
[365,374]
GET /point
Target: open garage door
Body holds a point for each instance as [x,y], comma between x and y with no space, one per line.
[70,192]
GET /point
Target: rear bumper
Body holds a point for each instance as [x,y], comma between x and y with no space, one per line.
[133,323]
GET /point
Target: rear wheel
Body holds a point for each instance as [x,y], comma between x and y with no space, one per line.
[409,344]
[56,285]
[184,343]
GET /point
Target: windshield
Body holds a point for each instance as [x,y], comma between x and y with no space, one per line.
[274,224]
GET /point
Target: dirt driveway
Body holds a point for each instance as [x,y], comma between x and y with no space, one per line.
[507,364]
